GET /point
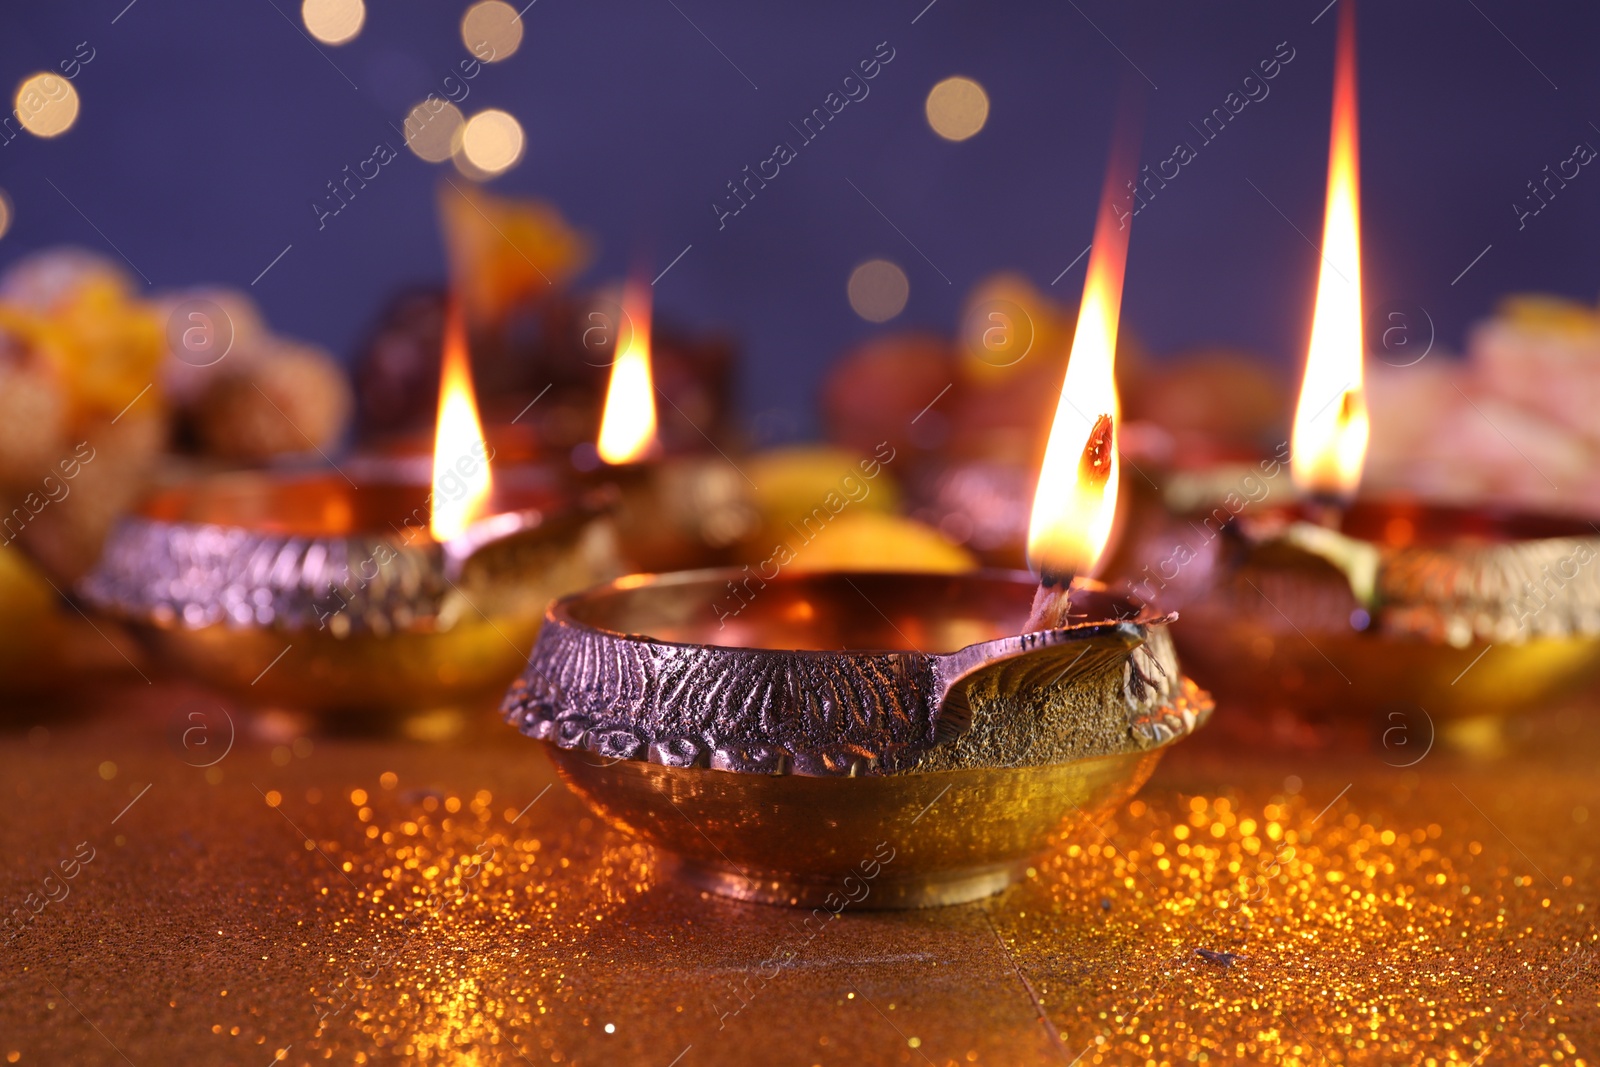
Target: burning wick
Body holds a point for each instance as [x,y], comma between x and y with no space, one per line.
[1326,506]
[462,484]
[1075,503]
[628,420]
[1331,422]
[1052,603]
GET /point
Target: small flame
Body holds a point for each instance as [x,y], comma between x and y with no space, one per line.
[1331,423]
[1076,501]
[461,482]
[628,424]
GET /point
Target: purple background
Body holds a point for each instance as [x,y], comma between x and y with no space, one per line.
[208,129]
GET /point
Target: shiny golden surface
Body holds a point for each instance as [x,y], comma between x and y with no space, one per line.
[1442,913]
[792,839]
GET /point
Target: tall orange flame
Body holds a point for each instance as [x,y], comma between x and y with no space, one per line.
[461,481]
[628,424]
[1331,424]
[1075,503]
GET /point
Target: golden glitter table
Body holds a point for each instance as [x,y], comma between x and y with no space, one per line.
[314,899]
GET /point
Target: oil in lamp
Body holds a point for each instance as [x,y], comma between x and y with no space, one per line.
[1383,611]
[356,589]
[1074,506]
[879,739]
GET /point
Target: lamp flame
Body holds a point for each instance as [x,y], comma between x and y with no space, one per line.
[628,423]
[1331,422]
[461,481]
[1075,504]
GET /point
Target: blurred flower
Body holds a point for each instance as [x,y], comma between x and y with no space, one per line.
[503,251]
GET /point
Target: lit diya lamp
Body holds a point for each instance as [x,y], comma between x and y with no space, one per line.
[1406,613]
[356,589]
[628,420]
[671,511]
[881,739]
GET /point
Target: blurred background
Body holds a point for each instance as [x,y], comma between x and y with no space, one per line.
[206,136]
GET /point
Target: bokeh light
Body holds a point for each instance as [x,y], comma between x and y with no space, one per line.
[333,21]
[5,213]
[46,104]
[491,144]
[957,108]
[878,290]
[491,30]
[433,129]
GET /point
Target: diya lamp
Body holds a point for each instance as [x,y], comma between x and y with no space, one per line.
[319,592]
[890,739]
[1396,612]
[671,510]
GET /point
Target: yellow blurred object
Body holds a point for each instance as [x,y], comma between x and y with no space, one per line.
[792,481]
[875,541]
[1008,324]
[503,251]
[80,365]
[42,642]
[104,346]
[114,346]
[1540,310]
[29,627]
[25,599]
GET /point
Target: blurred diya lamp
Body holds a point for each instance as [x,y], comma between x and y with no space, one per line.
[883,739]
[670,511]
[311,592]
[1426,617]
[1400,611]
